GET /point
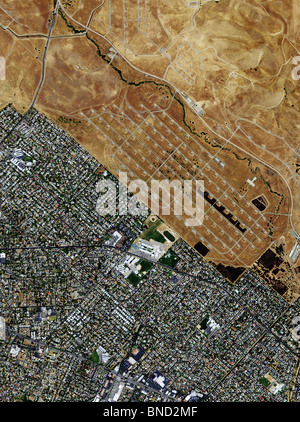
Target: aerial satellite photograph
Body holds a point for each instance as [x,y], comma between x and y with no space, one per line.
[150,204]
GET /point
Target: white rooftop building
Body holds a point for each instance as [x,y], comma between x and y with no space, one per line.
[160,380]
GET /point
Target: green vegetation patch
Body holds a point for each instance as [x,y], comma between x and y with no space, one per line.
[94,357]
[169,236]
[21,398]
[170,258]
[146,265]
[74,30]
[153,224]
[28,158]
[66,250]
[203,323]
[153,234]
[133,279]
[264,382]
[69,121]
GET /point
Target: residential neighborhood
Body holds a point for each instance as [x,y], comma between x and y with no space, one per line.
[114,308]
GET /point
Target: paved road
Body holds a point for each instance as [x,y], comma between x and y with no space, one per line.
[44,57]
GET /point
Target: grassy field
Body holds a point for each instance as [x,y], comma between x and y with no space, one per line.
[152,233]
[94,357]
[170,258]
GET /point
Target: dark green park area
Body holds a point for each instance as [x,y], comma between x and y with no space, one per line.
[264,382]
[134,279]
[94,357]
[146,265]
